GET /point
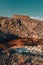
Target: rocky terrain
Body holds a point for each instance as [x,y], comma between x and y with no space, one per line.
[22,56]
[21,41]
[22,26]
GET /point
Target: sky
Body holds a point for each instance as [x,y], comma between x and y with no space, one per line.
[33,8]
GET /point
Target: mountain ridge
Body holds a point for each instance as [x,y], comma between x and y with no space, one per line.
[23,27]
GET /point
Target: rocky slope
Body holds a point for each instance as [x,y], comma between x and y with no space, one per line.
[23,35]
[20,26]
[21,56]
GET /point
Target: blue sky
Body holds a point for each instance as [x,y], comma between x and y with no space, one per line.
[25,7]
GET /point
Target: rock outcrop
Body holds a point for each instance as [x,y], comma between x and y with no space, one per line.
[23,27]
[22,40]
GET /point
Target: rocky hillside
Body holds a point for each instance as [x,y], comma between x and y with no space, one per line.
[22,26]
[21,41]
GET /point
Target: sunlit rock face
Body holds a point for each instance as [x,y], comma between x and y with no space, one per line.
[28,27]
[22,26]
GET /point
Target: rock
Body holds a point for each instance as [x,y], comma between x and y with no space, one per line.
[20,43]
[20,59]
[23,34]
[22,26]
[30,27]
[29,30]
